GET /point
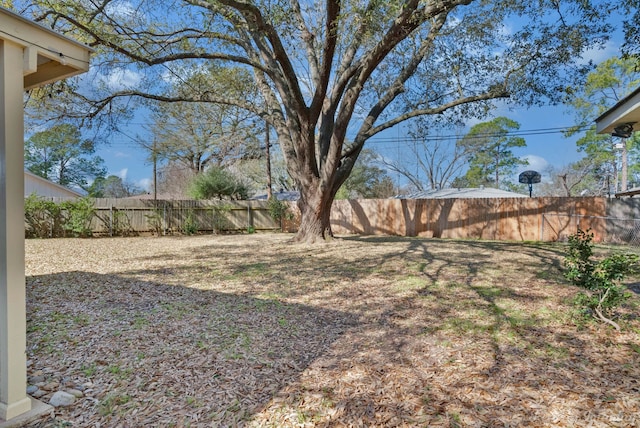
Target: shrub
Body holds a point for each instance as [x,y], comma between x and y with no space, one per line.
[79,214]
[190,224]
[600,279]
[278,210]
[217,182]
[43,218]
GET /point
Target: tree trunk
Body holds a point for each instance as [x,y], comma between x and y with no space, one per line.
[315,209]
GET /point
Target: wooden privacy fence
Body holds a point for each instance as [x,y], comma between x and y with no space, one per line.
[129,216]
[519,219]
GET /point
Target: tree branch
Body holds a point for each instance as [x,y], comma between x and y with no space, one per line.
[489,95]
[259,28]
[99,105]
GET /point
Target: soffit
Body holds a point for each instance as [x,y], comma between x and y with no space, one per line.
[48,56]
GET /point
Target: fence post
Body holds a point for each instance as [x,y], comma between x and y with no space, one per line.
[164,218]
[110,219]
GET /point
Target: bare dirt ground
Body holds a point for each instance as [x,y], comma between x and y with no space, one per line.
[252,331]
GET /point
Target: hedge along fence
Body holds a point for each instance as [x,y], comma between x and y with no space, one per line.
[122,217]
[519,219]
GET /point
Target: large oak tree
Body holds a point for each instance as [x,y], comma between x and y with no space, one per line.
[333,69]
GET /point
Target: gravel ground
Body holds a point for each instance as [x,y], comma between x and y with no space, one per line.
[249,330]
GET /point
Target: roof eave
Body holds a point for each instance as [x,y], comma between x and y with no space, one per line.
[627,110]
[48,56]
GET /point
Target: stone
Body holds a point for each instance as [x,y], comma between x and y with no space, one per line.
[31,389]
[36,379]
[76,393]
[51,386]
[61,399]
[39,393]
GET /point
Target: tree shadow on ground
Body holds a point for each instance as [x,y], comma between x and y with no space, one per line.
[161,355]
[467,349]
[409,335]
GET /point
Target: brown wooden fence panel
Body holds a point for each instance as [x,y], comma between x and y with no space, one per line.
[118,216]
[519,219]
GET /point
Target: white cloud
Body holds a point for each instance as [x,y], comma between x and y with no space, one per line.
[121,78]
[145,184]
[177,74]
[123,173]
[536,163]
[121,10]
[597,55]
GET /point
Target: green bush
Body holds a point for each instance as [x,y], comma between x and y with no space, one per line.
[78,216]
[217,182]
[278,210]
[43,218]
[190,224]
[600,279]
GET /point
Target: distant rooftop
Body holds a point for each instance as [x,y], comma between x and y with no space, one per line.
[160,196]
[463,192]
[281,196]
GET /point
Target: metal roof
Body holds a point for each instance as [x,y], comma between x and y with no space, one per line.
[463,192]
[281,196]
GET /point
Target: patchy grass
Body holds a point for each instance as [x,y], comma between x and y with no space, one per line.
[366,331]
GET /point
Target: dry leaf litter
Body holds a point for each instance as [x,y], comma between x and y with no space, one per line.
[252,331]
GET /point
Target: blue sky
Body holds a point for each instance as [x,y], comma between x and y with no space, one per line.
[126,159]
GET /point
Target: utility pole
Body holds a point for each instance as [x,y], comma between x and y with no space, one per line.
[154,156]
[267,144]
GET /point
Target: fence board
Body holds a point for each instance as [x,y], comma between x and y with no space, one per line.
[520,219]
[496,218]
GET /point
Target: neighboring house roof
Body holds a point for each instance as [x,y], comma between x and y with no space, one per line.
[452,193]
[160,196]
[43,187]
[281,196]
[630,193]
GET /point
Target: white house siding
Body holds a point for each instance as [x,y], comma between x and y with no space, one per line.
[42,187]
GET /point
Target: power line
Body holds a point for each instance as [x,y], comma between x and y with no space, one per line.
[517,133]
[524,132]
